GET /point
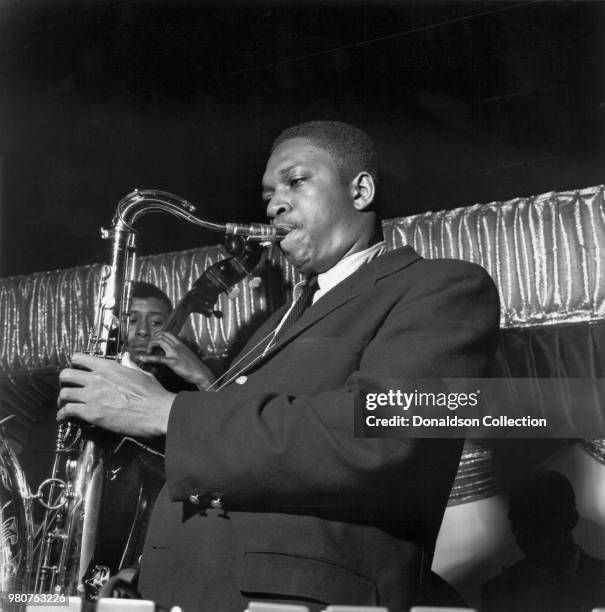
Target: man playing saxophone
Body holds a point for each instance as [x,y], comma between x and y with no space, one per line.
[269,495]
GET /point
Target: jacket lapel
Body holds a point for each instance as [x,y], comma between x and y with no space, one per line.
[361,280]
[249,354]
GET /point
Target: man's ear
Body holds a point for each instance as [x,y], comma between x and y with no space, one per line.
[363,190]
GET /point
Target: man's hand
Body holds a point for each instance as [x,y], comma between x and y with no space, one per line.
[116,398]
[180,359]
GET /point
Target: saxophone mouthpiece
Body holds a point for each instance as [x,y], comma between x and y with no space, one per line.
[256,231]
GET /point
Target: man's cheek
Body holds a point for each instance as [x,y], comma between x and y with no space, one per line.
[295,243]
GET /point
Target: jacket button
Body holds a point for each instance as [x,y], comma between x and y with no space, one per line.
[240,380]
[194,499]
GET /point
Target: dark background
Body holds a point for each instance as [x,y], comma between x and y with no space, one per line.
[467,101]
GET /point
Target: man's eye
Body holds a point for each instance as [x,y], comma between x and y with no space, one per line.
[296,181]
[157,323]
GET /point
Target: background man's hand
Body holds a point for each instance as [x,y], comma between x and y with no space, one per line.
[114,397]
[180,359]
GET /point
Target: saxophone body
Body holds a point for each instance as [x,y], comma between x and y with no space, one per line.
[73,495]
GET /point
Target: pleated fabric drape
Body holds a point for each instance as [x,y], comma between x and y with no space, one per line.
[544,252]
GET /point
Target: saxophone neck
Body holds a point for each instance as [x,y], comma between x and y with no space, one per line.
[142,202]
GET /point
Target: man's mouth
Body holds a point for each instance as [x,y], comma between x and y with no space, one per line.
[287,228]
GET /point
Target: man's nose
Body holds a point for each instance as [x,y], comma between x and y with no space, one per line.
[142,330]
[277,206]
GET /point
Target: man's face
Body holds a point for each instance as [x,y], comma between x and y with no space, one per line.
[305,194]
[147,316]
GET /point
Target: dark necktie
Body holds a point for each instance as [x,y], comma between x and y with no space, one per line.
[305,297]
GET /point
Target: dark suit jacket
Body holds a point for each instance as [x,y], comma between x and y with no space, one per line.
[312,513]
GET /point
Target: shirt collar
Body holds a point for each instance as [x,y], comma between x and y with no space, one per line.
[345,267]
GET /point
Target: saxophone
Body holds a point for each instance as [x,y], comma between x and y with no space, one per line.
[73,495]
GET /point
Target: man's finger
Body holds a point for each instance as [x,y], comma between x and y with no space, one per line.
[161,340]
[166,335]
[71,394]
[154,359]
[83,360]
[156,341]
[72,410]
[74,377]
[95,364]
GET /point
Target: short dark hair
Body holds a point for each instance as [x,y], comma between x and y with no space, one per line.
[351,148]
[143,290]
